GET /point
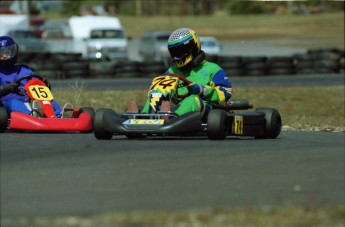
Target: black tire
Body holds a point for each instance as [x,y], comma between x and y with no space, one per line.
[254,59]
[235,72]
[90,111]
[99,131]
[237,60]
[273,125]
[3,119]
[280,66]
[65,57]
[50,74]
[281,71]
[76,73]
[102,69]
[216,125]
[255,72]
[150,69]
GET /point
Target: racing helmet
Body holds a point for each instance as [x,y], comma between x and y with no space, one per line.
[8,51]
[183,45]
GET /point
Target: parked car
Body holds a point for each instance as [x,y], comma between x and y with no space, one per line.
[211,46]
[154,46]
[28,41]
[98,37]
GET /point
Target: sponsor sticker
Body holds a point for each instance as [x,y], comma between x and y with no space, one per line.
[144,122]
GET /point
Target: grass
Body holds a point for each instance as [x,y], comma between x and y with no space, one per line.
[328,26]
[245,217]
[301,108]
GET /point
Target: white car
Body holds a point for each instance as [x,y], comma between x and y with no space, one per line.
[154,46]
[211,46]
[28,41]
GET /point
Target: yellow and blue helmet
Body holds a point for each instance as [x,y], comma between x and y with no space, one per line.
[183,45]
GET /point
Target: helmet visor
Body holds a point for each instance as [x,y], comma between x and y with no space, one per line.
[180,51]
[8,52]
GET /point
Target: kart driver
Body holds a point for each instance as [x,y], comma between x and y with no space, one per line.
[209,81]
[10,72]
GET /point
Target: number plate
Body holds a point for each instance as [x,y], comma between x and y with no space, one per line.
[238,125]
[40,92]
[163,83]
[144,122]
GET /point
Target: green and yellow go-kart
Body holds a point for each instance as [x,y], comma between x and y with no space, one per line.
[229,119]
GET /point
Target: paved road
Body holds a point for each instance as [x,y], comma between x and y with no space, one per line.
[75,174]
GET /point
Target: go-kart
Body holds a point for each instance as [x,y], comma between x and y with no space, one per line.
[35,89]
[222,120]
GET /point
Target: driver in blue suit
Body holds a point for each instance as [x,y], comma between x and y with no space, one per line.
[10,72]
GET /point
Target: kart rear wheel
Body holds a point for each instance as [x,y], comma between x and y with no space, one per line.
[216,125]
[273,124]
[3,119]
[99,131]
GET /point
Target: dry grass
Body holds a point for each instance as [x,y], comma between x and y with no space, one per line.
[317,108]
[328,27]
[246,217]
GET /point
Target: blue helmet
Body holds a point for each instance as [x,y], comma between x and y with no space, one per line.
[8,51]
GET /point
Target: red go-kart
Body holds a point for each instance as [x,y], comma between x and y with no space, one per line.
[36,89]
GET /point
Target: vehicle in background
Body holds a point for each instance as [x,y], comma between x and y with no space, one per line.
[211,46]
[154,46]
[29,41]
[10,22]
[98,37]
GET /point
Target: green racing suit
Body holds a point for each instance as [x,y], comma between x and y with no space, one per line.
[215,84]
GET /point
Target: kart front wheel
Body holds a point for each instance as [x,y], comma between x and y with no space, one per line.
[3,119]
[98,129]
[216,125]
[88,110]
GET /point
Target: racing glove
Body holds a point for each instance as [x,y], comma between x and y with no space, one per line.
[197,89]
[46,81]
[9,88]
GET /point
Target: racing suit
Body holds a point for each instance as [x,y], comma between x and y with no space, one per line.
[13,101]
[217,88]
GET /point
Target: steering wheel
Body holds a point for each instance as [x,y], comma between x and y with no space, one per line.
[28,77]
[19,92]
[184,79]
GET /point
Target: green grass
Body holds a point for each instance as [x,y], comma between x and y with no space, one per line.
[302,108]
[328,27]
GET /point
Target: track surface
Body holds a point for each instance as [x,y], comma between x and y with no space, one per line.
[75,174]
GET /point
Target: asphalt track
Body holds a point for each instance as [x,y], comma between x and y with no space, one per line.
[44,174]
[74,174]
